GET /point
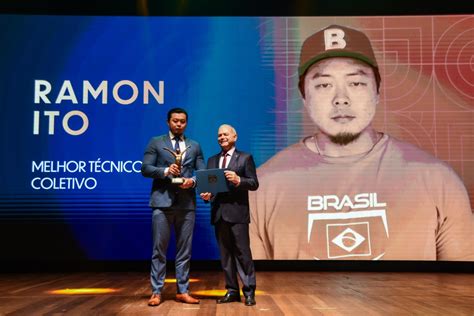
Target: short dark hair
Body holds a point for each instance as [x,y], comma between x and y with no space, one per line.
[177,110]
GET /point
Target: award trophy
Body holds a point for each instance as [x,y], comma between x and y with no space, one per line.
[178,159]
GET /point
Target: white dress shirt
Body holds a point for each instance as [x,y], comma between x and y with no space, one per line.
[182,146]
[229,156]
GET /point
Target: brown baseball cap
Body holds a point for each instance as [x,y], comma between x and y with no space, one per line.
[336,41]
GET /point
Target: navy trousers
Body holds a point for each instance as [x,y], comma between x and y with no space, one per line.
[236,256]
[183,222]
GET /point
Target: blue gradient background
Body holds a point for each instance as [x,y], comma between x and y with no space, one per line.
[210,66]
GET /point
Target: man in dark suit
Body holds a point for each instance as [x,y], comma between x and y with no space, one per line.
[230,215]
[173,203]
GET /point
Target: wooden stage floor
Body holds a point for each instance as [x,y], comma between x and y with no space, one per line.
[279,293]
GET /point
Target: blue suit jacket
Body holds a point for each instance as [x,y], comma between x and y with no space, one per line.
[156,160]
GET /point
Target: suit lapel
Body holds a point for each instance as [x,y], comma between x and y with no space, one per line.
[188,153]
[233,161]
[214,163]
[167,141]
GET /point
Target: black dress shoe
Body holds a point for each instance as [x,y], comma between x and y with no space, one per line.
[250,300]
[228,298]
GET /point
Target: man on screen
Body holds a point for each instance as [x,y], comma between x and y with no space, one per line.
[350,192]
[173,202]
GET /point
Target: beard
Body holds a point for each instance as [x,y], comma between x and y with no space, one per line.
[343,138]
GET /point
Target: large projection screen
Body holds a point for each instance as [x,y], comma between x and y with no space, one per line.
[82,96]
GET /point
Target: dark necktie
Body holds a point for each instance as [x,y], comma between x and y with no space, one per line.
[176,144]
[224,160]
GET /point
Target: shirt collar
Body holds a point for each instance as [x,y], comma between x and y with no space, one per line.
[230,152]
[181,138]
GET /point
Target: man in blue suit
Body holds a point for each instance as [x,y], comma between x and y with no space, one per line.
[230,215]
[173,203]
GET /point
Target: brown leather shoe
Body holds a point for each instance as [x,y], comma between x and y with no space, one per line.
[186,298]
[154,300]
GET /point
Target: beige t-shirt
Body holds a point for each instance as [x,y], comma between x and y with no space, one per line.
[395,202]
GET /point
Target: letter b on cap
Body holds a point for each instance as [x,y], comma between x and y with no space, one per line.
[334,39]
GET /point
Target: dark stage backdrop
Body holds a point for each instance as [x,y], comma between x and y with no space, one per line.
[80,98]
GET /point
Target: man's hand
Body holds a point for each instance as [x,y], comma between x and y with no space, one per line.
[232,177]
[188,183]
[206,196]
[174,169]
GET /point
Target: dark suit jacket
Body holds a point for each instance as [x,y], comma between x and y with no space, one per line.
[233,206]
[156,160]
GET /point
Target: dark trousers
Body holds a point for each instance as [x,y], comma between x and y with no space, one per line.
[183,222]
[236,257]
